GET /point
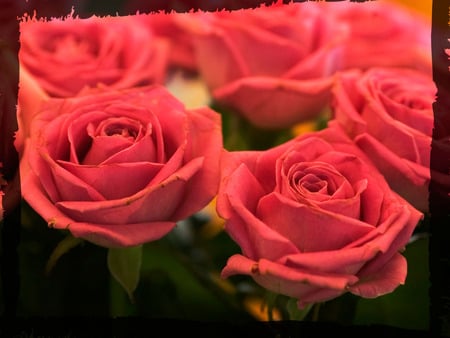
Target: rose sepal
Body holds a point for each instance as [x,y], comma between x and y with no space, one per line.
[124,265]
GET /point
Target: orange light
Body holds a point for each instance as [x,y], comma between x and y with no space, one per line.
[257,307]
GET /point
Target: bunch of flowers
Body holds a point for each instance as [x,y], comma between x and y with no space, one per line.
[134,129]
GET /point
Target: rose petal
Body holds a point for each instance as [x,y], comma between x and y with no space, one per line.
[409,179]
[102,148]
[59,183]
[338,196]
[275,102]
[394,230]
[106,178]
[402,140]
[108,235]
[284,280]
[143,150]
[320,63]
[347,261]
[231,160]
[90,51]
[318,295]
[418,119]
[254,237]
[76,133]
[204,140]
[154,203]
[346,102]
[216,48]
[254,41]
[315,229]
[30,97]
[384,281]
[120,235]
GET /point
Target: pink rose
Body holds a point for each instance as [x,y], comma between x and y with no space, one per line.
[314,219]
[67,55]
[120,168]
[271,64]
[30,98]
[165,26]
[388,113]
[382,34]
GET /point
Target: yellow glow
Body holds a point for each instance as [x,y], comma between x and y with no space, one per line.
[258,309]
[423,6]
[305,127]
[215,225]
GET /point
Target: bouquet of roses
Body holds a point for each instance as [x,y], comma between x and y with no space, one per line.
[221,161]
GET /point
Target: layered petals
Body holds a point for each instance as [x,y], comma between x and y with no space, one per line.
[379,35]
[66,55]
[388,113]
[314,219]
[254,97]
[276,62]
[121,168]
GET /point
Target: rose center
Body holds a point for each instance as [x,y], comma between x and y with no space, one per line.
[120,130]
[313,184]
[315,181]
[110,137]
[70,47]
[123,127]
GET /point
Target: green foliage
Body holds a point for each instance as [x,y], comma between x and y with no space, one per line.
[240,134]
[125,266]
[408,306]
[294,312]
[171,286]
[63,247]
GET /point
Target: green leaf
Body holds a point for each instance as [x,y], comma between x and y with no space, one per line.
[271,298]
[294,312]
[124,265]
[63,247]
[408,306]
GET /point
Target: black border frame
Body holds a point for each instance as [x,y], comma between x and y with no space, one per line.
[439,201]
